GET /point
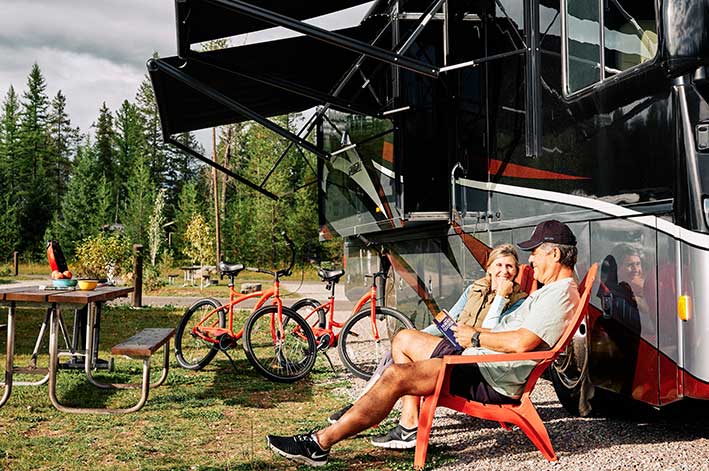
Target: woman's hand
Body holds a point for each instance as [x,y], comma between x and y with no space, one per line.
[463,334]
[504,287]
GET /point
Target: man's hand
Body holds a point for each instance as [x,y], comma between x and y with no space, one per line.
[463,334]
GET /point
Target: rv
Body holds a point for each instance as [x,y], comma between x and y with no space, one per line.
[444,127]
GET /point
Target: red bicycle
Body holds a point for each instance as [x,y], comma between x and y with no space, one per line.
[277,340]
[365,337]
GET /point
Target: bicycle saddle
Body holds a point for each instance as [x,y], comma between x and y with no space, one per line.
[330,275]
[230,269]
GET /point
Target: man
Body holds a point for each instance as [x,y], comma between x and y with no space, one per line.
[536,325]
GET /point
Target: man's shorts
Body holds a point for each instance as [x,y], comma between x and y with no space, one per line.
[467,381]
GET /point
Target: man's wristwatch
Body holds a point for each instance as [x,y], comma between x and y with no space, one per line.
[475,339]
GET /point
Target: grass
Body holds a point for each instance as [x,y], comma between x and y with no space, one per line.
[215,419]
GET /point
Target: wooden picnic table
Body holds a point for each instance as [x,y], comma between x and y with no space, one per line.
[53,299]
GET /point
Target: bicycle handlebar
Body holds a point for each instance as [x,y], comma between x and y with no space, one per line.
[278,273]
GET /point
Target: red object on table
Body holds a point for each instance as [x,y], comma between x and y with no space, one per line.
[55,256]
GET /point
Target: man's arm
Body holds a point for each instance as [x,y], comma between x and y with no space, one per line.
[513,341]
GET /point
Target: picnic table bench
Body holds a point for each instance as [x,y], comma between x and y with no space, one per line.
[140,346]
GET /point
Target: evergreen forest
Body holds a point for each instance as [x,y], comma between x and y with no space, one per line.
[64,183]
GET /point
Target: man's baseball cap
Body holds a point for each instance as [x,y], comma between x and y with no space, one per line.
[551,231]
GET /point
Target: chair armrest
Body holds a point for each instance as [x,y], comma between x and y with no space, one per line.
[496,357]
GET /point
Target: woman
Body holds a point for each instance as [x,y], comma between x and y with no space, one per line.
[482,304]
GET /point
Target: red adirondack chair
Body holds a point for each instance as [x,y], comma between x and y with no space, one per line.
[524,414]
[525,278]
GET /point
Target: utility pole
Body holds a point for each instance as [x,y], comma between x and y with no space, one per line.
[216,197]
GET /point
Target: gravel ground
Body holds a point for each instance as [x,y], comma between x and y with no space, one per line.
[643,440]
[636,438]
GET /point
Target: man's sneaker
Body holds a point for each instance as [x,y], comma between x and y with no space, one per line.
[399,438]
[299,448]
[336,416]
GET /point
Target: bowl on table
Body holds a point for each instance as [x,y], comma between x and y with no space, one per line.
[64,283]
[87,285]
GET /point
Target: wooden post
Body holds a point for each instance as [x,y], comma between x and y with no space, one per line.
[137,275]
[16,262]
[217,230]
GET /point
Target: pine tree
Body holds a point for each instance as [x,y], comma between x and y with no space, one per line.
[78,210]
[64,140]
[9,137]
[138,205]
[105,147]
[129,143]
[181,169]
[35,204]
[9,143]
[9,229]
[155,147]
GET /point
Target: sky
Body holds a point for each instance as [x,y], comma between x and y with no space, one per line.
[91,50]
[94,50]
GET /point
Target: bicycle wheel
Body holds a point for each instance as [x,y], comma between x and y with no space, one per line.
[284,358]
[191,351]
[359,351]
[306,308]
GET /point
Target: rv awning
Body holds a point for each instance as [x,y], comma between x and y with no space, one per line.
[271,79]
[204,20]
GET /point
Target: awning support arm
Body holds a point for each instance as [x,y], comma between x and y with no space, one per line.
[210,162]
[476,62]
[234,106]
[330,37]
[286,150]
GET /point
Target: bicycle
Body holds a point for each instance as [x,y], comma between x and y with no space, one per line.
[207,327]
[366,335]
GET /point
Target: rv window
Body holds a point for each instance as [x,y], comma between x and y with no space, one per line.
[629,39]
[582,44]
[630,35]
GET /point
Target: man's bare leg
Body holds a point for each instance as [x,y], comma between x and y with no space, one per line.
[413,345]
[409,346]
[412,379]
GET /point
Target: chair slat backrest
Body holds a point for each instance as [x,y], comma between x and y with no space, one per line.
[569,331]
[525,278]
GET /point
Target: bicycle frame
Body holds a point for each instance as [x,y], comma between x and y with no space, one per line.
[329,308]
[211,332]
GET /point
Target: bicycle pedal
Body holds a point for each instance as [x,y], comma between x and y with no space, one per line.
[324,342]
[226,342]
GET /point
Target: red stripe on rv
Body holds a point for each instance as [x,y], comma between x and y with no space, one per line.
[520,171]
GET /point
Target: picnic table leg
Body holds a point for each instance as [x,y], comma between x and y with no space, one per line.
[10,354]
[53,369]
[88,367]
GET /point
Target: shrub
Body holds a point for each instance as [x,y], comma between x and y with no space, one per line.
[103,256]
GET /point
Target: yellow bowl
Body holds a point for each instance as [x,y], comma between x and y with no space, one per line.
[87,285]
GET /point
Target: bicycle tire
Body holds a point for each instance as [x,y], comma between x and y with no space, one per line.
[306,309]
[358,350]
[284,361]
[192,352]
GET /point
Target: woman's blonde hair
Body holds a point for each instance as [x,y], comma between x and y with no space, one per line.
[503,250]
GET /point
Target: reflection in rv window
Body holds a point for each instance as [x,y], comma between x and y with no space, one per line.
[629,39]
[582,44]
[630,34]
